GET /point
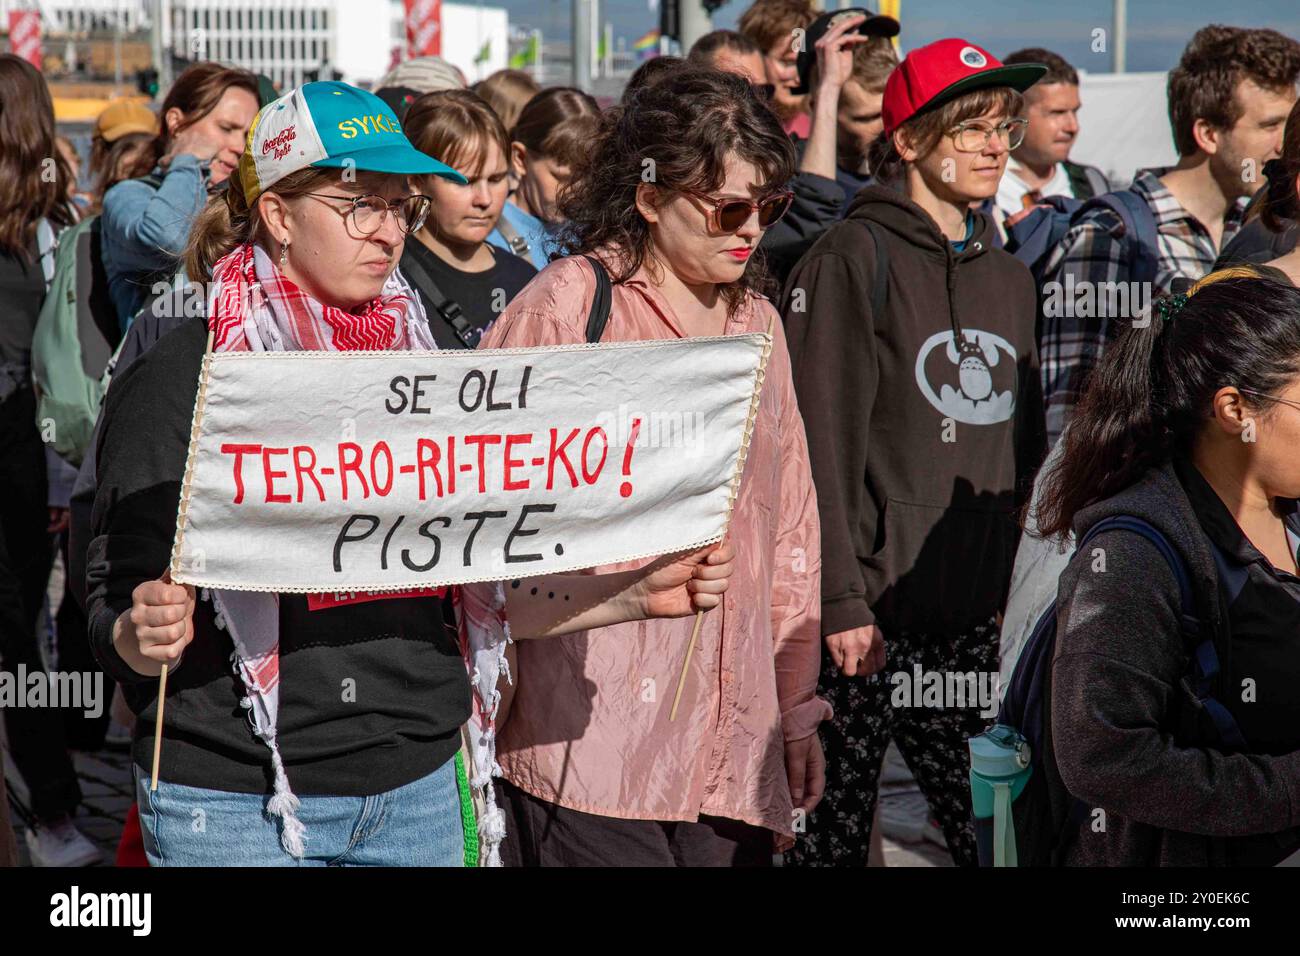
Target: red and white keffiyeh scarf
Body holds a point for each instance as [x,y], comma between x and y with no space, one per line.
[257,308]
[254,307]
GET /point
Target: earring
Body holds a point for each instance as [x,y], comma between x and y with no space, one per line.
[284,252]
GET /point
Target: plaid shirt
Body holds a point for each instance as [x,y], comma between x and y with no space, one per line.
[1092,253]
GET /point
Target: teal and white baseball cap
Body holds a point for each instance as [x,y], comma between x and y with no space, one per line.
[334,126]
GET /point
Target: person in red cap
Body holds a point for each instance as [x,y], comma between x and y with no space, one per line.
[912,341]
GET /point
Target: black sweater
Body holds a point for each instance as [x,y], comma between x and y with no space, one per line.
[372,695]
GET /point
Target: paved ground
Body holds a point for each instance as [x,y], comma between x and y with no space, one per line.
[105,776]
[106,787]
[911,852]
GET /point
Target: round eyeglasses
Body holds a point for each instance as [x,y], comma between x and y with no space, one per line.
[973,135]
[369,212]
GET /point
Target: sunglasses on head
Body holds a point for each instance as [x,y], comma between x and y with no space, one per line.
[730,214]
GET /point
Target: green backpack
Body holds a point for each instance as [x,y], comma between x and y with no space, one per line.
[76,335]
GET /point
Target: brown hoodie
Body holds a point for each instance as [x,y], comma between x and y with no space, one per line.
[924,423]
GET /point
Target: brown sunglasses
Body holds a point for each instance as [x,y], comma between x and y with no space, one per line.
[729,215]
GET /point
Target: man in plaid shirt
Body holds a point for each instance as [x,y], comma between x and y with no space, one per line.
[1228,102]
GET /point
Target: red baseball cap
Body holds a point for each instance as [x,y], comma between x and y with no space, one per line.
[943,70]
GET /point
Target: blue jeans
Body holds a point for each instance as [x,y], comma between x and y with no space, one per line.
[415,825]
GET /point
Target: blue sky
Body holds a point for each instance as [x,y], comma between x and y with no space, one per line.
[1158,29]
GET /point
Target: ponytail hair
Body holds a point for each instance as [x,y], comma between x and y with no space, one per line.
[224,224]
[1151,394]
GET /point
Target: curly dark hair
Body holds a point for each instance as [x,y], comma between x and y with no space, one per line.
[677,133]
[1203,84]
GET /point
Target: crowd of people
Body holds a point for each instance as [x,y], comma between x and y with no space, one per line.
[956,393]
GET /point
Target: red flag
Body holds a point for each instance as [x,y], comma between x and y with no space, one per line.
[423,27]
[25,35]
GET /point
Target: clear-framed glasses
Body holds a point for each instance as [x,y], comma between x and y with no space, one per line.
[973,135]
[369,212]
[1271,398]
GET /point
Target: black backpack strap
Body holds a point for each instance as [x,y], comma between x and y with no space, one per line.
[1202,680]
[601,302]
[449,310]
[880,285]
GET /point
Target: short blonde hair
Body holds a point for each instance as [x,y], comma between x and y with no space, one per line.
[506,91]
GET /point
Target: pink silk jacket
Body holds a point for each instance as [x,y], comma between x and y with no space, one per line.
[589,726]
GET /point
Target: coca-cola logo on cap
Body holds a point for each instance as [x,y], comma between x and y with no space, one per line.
[973,58]
[281,142]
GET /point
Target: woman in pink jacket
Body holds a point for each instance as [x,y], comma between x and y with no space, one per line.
[678,189]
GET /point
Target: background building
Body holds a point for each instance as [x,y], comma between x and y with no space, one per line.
[291,41]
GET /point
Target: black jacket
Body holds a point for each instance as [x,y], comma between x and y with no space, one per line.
[818,204]
[149,326]
[1256,243]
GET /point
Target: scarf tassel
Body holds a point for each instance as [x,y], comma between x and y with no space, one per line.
[284,804]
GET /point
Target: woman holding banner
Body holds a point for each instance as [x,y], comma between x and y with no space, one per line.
[360,703]
[597,773]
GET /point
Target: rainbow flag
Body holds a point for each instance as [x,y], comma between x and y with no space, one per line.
[647,45]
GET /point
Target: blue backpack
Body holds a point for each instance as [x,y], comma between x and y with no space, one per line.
[1017,821]
[1033,238]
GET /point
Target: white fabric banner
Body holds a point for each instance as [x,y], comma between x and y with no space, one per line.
[363,471]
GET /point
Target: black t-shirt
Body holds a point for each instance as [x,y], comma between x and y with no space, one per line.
[482,296]
[1260,660]
[1263,620]
[372,695]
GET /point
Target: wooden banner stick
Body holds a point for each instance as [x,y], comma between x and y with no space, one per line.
[740,466]
[157,727]
[690,649]
[199,403]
